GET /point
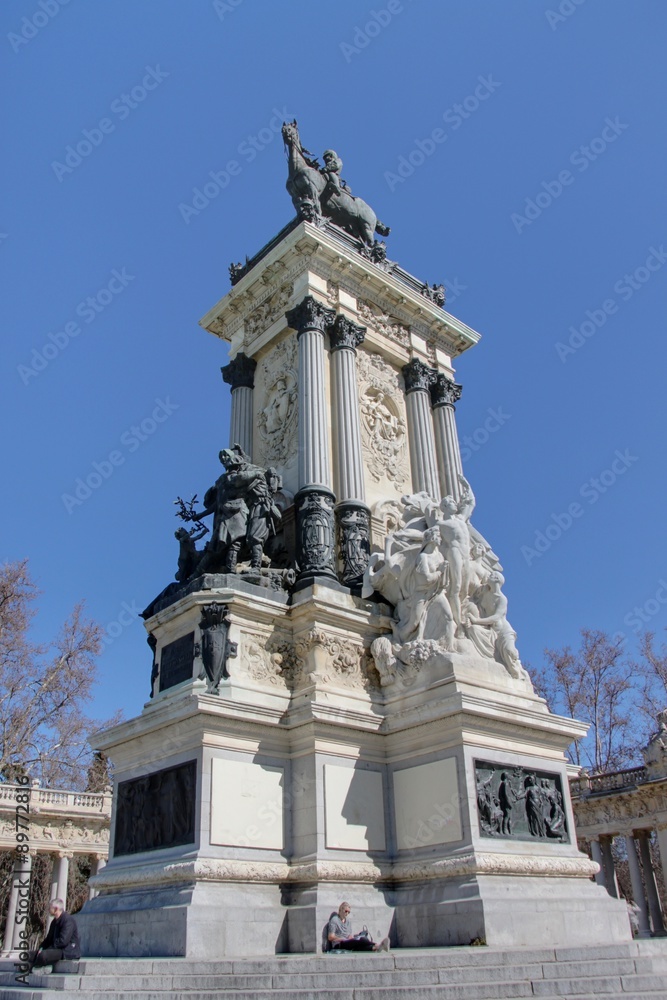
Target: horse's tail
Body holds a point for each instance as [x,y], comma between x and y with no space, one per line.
[382,229]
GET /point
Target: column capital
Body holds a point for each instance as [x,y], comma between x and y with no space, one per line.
[444,391]
[64,854]
[345,333]
[417,375]
[310,315]
[240,372]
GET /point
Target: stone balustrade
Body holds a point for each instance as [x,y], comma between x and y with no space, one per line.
[58,822]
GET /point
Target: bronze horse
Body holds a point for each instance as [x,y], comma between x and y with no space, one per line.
[316,193]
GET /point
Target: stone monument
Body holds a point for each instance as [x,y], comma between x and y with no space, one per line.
[337,705]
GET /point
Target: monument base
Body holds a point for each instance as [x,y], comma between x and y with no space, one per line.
[437,805]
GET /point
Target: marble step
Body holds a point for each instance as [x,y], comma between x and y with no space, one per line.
[638,968]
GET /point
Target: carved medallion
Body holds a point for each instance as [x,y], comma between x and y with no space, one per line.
[383,428]
[278,419]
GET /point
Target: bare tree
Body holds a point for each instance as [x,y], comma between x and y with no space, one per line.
[651,668]
[595,684]
[43,688]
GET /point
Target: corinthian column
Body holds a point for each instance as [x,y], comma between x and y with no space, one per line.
[352,515]
[444,394]
[240,375]
[418,378]
[314,501]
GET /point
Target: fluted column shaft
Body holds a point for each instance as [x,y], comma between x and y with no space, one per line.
[655,910]
[637,887]
[314,500]
[661,834]
[240,375]
[418,378]
[444,394]
[352,515]
[345,337]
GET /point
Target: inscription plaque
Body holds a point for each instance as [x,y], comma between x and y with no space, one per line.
[520,803]
[156,810]
[176,661]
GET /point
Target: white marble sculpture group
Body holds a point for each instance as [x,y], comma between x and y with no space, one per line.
[444,581]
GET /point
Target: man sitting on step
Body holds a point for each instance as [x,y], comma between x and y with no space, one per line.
[62,938]
[341,938]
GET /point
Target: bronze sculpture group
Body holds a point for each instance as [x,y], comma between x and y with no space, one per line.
[245,515]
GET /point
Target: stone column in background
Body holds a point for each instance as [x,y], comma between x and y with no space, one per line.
[637,887]
[418,378]
[655,910]
[240,375]
[444,394]
[314,501]
[100,862]
[609,869]
[352,515]
[63,875]
[596,854]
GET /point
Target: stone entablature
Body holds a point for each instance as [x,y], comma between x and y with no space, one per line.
[400,320]
[618,802]
[59,819]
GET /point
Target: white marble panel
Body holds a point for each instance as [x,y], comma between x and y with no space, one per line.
[427,805]
[354,809]
[246,804]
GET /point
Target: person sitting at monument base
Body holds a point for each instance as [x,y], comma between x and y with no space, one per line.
[341,938]
[62,938]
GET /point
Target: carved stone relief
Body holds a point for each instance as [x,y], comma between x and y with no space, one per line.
[388,326]
[277,420]
[346,663]
[383,427]
[267,313]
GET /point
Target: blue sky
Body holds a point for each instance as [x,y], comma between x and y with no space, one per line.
[542,209]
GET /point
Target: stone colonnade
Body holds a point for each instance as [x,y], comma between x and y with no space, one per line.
[60,824]
[642,876]
[20,890]
[631,805]
[332,518]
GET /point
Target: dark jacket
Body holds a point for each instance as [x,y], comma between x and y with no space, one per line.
[63,933]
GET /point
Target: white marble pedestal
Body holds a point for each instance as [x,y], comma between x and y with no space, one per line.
[312,784]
